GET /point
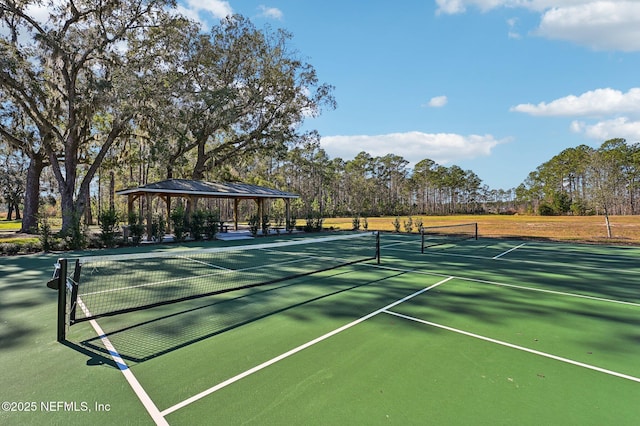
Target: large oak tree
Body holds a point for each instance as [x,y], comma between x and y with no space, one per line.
[77,63]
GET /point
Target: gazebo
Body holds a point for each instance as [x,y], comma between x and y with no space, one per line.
[193,190]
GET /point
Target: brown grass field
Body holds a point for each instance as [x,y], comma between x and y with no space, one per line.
[589,229]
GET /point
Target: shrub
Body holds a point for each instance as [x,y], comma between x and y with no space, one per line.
[314,223]
[45,235]
[76,236]
[254,224]
[365,224]
[109,227]
[418,224]
[31,246]
[579,208]
[279,222]
[179,223]
[396,224]
[546,210]
[266,225]
[158,227]
[211,225]
[408,225]
[309,224]
[198,221]
[292,224]
[136,228]
[356,223]
[10,249]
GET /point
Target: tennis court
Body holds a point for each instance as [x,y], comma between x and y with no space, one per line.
[482,331]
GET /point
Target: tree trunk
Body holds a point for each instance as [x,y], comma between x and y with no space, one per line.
[88,216]
[32,195]
[112,189]
[606,221]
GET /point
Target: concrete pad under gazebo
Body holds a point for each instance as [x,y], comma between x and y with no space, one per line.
[193,190]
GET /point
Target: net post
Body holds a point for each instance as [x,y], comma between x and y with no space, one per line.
[62,300]
[421,240]
[476,230]
[74,292]
[378,247]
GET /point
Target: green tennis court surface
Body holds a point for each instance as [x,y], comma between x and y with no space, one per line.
[477,332]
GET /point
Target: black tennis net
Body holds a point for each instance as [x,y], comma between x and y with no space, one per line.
[100,286]
[446,234]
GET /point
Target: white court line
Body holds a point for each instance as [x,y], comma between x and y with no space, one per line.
[205,263]
[137,388]
[519,287]
[508,251]
[521,348]
[294,351]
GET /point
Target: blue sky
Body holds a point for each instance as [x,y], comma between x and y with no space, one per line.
[493,86]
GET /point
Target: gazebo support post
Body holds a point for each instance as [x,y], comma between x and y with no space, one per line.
[287,207]
[149,199]
[260,214]
[236,202]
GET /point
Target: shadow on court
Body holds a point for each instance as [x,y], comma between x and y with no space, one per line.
[183,324]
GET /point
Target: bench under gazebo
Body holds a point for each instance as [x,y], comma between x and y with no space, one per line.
[193,190]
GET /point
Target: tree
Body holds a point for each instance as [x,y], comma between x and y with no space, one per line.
[606,175]
[13,173]
[88,60]
[241,92]
[22,140]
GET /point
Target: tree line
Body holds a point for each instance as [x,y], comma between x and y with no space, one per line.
[578,181]
[104,95]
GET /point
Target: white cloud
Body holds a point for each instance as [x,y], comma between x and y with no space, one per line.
[270,12]
[219,9]
[598,24]
[602,25]
[599,102]
[617,112]
[438,101]
[442,148]
[513,33]
[620,127]
[460,6]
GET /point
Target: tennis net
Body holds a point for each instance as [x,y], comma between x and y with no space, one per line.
[109,285]
[446,234]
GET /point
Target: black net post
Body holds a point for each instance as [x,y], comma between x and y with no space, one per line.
[74,292]
[476,230]
[62,300]
[421,240]
[378,247]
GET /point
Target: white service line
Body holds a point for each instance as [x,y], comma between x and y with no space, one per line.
[153,411]
[294,351]
[508,251]
[521,348]
[204,263]
[519,287]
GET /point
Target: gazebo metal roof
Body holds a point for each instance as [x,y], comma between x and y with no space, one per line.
[197,188]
